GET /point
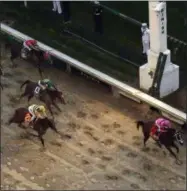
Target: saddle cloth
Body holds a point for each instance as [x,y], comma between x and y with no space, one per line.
[27,117]
[37,90]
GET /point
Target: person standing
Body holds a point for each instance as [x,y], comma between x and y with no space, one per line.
[25,4]
[57,7]
[98,21]
[145,38]
[66,11]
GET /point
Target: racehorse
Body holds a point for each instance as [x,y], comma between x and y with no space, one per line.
[167,138]
[47,96]
[40,125]
[16,51]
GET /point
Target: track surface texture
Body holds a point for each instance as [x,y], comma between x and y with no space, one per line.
[101,149]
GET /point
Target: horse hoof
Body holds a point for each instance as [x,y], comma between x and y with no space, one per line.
[179,162]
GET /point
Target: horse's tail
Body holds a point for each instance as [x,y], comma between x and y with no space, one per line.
[139,123]
[26,82]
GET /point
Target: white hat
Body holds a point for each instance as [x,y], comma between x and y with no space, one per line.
[144,24]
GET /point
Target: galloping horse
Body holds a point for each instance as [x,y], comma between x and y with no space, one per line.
[46,96]
[40,126]
[16,51]
[166,138]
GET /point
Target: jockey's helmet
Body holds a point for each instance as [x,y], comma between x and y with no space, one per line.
[40,109]
[167,123]
[34,42]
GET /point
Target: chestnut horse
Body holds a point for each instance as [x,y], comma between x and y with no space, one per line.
[40,125]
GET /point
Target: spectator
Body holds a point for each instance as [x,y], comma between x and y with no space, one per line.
[98,22]
[145,38]
[25,4]
[57,7]
[66,11]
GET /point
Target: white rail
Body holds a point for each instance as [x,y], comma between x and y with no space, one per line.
[121,88]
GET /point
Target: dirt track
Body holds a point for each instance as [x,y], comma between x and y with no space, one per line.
[102,148]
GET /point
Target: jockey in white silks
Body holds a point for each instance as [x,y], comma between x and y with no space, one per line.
[145,38]
[57,7]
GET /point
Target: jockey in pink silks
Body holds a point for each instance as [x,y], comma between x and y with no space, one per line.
[161,125]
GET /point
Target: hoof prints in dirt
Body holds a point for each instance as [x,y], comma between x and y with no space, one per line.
[66,136]
[134,174]
[56,143]
[147,166]
[106,128]
[94,116]
[116,125]
[131,155]
[91,135]
[85,162]
[88,128]
[135,186]
[145,149]
[91,151]
[137,138]
[73,125]
[112,177]
[136,143]
[106,158]
[121,132]
[108,142]
[81,114]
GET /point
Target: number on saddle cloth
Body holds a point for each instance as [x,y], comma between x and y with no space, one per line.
[37,90]
[28,117]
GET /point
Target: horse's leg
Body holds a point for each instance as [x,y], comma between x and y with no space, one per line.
[175,146]
[50,110]
[54,103]
[40,70]
[41,139]
[146,137]
[12,58]
[54,128]
[29,97]
[172,153]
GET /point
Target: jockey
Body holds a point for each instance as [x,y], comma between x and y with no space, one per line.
[161,125]
[46,83]
[30,44]
[37,111]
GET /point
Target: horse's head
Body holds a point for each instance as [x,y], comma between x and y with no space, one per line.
[178,137]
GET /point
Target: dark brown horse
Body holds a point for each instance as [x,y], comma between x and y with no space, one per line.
[47,96]
[40,126]
[40,56]
[167,138]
